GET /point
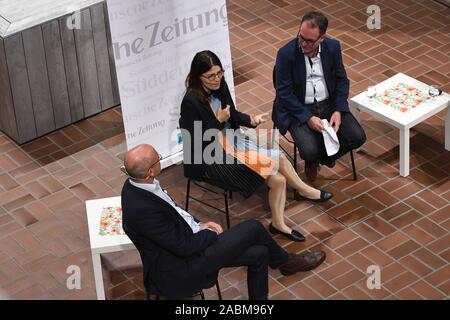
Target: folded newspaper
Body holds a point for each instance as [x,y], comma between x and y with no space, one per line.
[330,138]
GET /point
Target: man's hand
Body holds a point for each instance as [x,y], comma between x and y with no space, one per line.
[258,119]
[223,114]
[210,225]
[335,121]
[315,123]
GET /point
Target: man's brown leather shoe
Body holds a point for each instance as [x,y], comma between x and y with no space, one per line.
[311,170]
[303,262]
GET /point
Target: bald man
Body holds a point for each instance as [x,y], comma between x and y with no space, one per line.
[180,253]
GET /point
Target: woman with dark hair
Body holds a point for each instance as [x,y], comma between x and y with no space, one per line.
[240,163]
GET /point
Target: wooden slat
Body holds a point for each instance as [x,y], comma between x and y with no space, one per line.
[7,115]
[102,56]
[87,65]
[72,74]
[56,73]
[38,79]
[20,88]
[112,64]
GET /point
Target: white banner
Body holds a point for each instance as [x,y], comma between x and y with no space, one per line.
[154,42]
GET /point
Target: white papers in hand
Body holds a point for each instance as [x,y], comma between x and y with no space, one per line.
[330,138]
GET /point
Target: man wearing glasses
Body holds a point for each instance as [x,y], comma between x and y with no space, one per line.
[180,253]
[311,84]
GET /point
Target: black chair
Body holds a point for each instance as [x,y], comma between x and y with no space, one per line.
[152,291]
[225,191]
[294,157]
[207,184]
[210,284]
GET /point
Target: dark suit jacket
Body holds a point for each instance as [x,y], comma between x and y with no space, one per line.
[291,82]
[172,255]
[192,110]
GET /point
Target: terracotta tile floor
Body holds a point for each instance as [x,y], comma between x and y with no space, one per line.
[400,224]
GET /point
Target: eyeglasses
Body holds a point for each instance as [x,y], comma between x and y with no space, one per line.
[159,159]
[124,170]
[212,77]
[308,42]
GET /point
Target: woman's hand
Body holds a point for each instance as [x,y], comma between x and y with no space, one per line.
[223,114]
[258,119]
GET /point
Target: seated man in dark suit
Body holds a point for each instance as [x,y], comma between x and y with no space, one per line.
[179,253]
[311,84]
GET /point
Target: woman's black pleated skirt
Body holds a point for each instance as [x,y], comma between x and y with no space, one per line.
[236,176]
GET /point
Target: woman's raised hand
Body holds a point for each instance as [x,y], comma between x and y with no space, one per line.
[223,114]
[260,118]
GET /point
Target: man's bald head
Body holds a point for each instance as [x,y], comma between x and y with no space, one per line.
[139,159]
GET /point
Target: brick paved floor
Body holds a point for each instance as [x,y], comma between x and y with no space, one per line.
[400,224]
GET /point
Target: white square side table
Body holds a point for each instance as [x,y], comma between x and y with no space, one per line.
[403,120]
[103,244]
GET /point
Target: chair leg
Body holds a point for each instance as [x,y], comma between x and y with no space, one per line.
[202,295]
[219,293]
[187,194]
[295,157]
[273,136]
[353,165]
[295,164]
[225,196]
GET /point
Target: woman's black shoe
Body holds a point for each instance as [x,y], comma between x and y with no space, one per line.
[324,196]
[294,235]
